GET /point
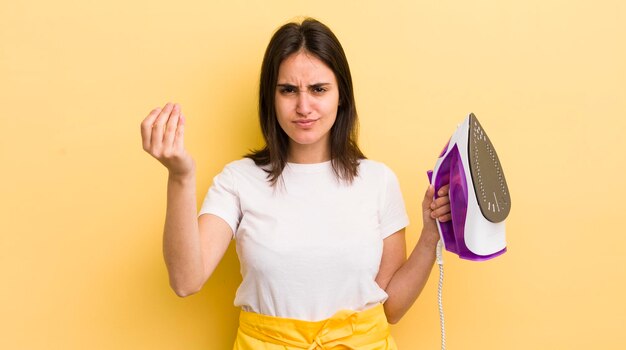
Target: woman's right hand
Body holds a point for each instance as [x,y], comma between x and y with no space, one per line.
[162,135]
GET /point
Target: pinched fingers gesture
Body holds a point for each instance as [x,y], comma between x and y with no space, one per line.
[162,135]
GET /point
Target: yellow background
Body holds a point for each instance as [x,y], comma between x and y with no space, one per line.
[82,206]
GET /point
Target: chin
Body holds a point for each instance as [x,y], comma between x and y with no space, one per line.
[307,140]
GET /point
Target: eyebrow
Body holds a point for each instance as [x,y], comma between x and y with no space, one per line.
[310,86]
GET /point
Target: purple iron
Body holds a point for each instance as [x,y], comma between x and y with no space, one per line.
[479,196]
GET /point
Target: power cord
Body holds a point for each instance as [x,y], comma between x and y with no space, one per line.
[440,294]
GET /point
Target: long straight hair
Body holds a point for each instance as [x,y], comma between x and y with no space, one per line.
[317,39]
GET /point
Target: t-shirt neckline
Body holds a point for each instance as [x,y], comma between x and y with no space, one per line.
[309,167]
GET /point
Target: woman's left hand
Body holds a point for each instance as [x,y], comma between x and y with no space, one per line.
[436,209]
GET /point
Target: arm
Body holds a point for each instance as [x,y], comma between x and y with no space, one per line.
[192,247]
[403,279]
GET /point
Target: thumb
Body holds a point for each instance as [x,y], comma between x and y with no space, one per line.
[430,192]
[428,197]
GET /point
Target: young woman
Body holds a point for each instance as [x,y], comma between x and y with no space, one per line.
[319,229]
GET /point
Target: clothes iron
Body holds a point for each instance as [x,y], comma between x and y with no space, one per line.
[479,196]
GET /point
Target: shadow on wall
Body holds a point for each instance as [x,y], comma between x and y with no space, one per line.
[206,320]
[217,297]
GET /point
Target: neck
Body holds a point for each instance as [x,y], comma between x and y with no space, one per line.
[308,154]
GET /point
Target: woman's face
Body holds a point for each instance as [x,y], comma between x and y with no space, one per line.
[307,98]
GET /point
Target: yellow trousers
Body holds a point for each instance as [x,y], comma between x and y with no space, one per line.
[345,330]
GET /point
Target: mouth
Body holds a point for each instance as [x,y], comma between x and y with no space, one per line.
[305,122]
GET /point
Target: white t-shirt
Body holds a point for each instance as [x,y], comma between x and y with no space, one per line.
[311,245]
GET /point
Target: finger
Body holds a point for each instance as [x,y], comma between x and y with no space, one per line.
[146,127]
[440,211]
[180,134]
[445,218]
[443,190]
[428,197]
[158,127]
[171,126]
[430,192]
[440,202]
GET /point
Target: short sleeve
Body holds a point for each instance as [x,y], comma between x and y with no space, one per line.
[222,199]
[393,216]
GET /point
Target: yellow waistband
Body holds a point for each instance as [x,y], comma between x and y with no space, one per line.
[344,330]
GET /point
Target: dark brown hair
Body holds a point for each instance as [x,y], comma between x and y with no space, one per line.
[317,39]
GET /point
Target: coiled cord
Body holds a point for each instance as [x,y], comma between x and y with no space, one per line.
[440,294]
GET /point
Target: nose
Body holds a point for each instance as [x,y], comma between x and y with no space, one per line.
[303,106]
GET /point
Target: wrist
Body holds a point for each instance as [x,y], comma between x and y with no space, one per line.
[182,178]
[429,238]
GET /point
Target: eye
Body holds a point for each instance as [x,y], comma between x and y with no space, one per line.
[318,89]
[287,89]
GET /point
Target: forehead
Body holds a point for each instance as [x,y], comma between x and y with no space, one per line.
[303,67]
